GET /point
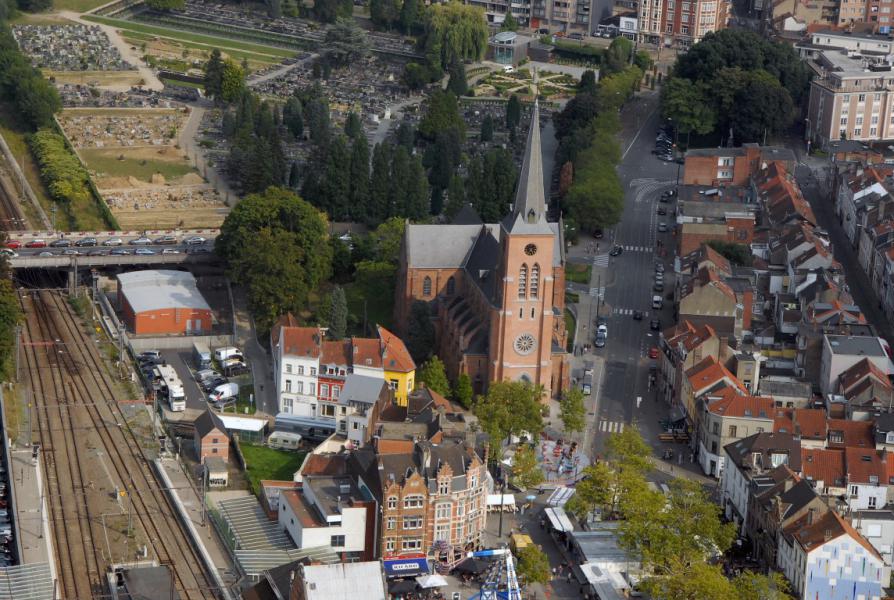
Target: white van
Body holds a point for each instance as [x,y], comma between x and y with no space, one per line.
[224,391]
[657,302]
[222,354]
[284,440]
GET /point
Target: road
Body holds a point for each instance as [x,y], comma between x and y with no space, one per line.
[105,246]
[626,281]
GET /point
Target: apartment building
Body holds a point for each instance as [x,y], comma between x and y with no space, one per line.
[555,15]
[851,97]
[680,23]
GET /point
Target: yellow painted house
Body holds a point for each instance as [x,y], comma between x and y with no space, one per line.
[400,370]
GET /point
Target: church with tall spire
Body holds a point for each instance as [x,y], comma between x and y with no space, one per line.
[496,291]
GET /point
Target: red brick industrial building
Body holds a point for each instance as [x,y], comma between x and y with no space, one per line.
[162,302]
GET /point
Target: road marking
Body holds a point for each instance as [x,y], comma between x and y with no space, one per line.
[597,291]
[611,426]
[601,260]
[633,141]
[647,188]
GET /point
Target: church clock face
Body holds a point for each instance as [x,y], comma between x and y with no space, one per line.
[524,344]
[531,249]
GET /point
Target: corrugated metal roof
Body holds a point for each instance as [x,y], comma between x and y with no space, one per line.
[159,289]
[26,582]
[255,562]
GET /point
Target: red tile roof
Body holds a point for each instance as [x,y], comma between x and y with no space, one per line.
[395,357]
[709,373]
[782,421]
[336,353]
[809,423]
[865,463]
[825,528]
[367,352]
[819,464]
[856,434]
[738,405]
[720,261]
[301,341]
[859,371]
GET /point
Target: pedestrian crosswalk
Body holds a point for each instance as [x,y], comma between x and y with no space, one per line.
[627,312]
[597,292]
[637,248]
[611,426]
[600,261]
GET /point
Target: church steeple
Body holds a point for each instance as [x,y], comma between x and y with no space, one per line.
[529,211]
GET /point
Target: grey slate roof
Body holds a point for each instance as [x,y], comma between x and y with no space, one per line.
[361,388]
[436,246]
[529,210]
[208,421]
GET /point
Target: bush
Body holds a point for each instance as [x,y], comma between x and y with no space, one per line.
[65,177]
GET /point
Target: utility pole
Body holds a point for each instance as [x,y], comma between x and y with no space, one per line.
[204,486]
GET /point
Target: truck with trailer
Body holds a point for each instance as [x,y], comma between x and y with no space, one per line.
[172,387]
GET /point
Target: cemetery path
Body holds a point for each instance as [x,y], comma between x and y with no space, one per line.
[281,70]
[191,148]
[152,82]
[381,132]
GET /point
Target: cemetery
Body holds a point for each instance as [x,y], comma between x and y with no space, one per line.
[503,85]
[60,48]
[136,163]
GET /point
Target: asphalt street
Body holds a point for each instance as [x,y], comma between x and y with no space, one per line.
[626,281]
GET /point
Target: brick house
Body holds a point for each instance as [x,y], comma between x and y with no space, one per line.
[211,437]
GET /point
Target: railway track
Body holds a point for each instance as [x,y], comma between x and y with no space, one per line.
[12,218]
[78,413]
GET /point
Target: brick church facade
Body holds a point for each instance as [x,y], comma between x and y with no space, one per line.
[496,290]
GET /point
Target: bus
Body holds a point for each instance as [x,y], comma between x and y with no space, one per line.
[172,386]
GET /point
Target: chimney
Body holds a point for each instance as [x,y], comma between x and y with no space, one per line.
[811,514]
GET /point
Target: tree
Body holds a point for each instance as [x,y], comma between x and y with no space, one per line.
[10,317]
[316,116]
[345,42]
[417,205]
[380,184]
[456,196]
[697,581]
[353,128]
[596,489]
[232,81]
[214,68]
[629,449]
[37,101]
[434,376]
[292,117]
[454,31]
[338,313]
[457,83]
[513,112]
[685,103]
[420,332]
[617,57]
[642,60]
[572,411]
[750,585]
[533,565]
[526,472]
[328,11]
[276,246]
[510,23]
[358,179]
[409,15]
[294,176]
[509,408]
[739,254]
[487,129]
[462,390]
[441,115]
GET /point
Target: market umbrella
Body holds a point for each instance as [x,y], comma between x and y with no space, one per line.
[430,581]
[402,586]
[472,566]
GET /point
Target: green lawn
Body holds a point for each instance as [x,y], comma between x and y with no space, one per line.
[106,162]
[379,306]
[578,273]
[135,39]
[78,5]
[266,463]
[571,298]
[197,38]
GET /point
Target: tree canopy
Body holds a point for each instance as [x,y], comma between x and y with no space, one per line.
[509,408]
[433,375]
[275,245]
[455,31]
[572,411]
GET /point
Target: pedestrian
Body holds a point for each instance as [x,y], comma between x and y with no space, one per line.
[568,577]
[554,571]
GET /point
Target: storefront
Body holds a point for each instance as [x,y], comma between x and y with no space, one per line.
[406,566]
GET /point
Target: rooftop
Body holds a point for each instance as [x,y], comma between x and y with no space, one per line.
[161,289]
[344,581]
[855,345]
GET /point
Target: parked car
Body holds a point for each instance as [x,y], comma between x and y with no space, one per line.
[98,253]
[170,251]
[70,252]
[36,243]
[223,392]
[212,383]
[86,242]
[114,241]
[600,339]
[662,227]
[9,253]
[165,240]
[653,352]
[658,286]
[662,211]
[144,251]
[140,241]
[60,243]
[194,240]
[14,244]
[45,254]
[120,252]
[149,355]
[659,267]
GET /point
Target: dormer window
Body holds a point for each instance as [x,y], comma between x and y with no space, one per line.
[444,486]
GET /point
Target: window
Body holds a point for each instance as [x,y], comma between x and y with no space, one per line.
[854,490]
[844,120]
[300,387]
[858,132]
[846,98]
[459,530]
[732,431]
[415,544]
[301,369]
[324,390]
[684,29]
[327,410]
[725,162]
[724,174]
[313,371]
[460,509]
[861,97]
[287,405]
[392,502]
[442,533]
[874,120]
[873,131]
[355,426]
[288,385]
[859,121]
[393,384]
[337,541]
[426,286]
[412,522]
[522,282]
[872,501]
[335,391]
[444,486]
[389,545]
[684,18]
[451,286]
[715,429]
[685,6]
[288,368]
[442,511]
[310,389]
[342,410]
[391,523]
[413,501]
[535,281]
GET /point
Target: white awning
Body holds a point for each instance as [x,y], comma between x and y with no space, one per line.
[560,496]
[559,520]
[494,500]
[243,423]
[431,581]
